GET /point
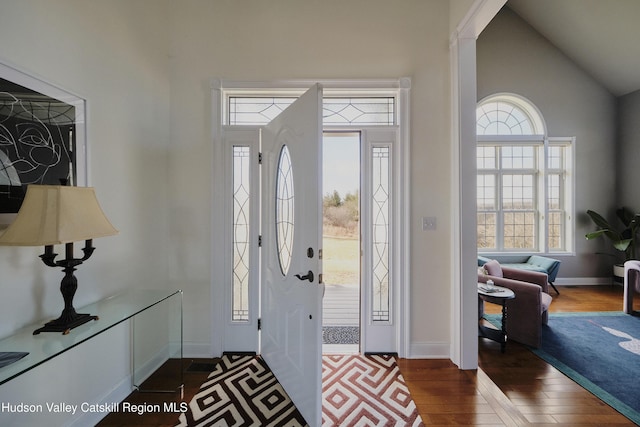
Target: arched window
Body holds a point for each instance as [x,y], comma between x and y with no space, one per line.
[508,115]
[524,179]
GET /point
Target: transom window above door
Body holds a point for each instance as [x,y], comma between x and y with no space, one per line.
[337,110]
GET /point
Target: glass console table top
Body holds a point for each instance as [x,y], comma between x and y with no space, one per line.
[47,345]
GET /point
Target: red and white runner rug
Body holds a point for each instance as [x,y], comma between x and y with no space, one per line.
[360,390]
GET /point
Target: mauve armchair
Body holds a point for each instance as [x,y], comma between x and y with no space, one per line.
[631,284]
[528,311]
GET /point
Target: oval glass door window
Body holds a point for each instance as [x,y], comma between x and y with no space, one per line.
[284,210]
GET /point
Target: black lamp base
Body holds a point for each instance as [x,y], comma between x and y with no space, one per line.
[69,319]
[64,325]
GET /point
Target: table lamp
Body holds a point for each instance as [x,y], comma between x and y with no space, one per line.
[59,214]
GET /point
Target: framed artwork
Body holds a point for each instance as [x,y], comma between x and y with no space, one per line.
[42,138]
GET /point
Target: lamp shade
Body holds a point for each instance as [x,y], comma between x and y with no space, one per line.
[55,214]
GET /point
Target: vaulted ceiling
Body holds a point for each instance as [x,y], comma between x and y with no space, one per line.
[600,36]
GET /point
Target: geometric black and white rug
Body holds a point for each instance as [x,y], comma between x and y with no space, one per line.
[241,391]
[356,391]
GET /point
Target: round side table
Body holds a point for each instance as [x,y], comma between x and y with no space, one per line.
[495,295]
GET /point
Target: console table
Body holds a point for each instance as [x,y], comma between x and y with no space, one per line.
[111,312]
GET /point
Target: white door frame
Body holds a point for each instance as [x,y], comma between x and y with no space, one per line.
[221,246]
[241,336]
[464,336]
[380,336]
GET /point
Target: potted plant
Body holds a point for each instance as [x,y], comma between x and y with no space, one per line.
[623,240]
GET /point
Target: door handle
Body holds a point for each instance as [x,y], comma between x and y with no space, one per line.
[308,276]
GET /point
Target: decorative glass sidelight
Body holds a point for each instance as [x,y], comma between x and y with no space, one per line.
[284,210]
[381,182]
[241,232]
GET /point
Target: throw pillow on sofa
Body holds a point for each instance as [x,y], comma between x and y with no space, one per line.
[493,268]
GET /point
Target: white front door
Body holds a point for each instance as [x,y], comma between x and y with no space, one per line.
[291,297]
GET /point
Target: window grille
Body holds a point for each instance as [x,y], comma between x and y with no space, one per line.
[241,232]
[523,180]
[380,233]
[350,111]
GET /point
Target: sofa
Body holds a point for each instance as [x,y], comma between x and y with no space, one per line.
[528,311]
[538,263]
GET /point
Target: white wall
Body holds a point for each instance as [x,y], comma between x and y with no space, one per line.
[98,371]
[145,68]
[114,54]
[512,57]
[289,39]
[458,10]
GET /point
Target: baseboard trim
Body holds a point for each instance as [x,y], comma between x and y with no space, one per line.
[198,350]
[583,281]
[116,395]
[429,350]
[143,372]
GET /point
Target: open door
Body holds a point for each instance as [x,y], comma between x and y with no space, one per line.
[291,296]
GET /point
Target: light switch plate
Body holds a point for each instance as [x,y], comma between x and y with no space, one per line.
[429,223]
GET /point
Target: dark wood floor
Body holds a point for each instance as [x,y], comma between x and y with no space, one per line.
[167,374]
[514,388]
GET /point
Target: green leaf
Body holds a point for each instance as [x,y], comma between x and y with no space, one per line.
[598,219]
[611,234]
[595,234]
[622,245]
[625,215]
[614,235]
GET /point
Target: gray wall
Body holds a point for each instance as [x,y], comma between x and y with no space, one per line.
[628,172]
[513,57]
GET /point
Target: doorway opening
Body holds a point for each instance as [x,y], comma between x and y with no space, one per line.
[374,119]
[341,242]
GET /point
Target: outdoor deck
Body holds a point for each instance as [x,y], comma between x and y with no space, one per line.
[341,308]
[341,305]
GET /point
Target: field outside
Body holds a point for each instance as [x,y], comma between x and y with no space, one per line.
[341,246]
[341,261]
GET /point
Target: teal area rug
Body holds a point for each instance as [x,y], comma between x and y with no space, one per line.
[599,351]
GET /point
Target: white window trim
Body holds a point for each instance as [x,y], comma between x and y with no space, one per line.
[243,332]
[540,138]
[569,185]
[542,172]
[536,119]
